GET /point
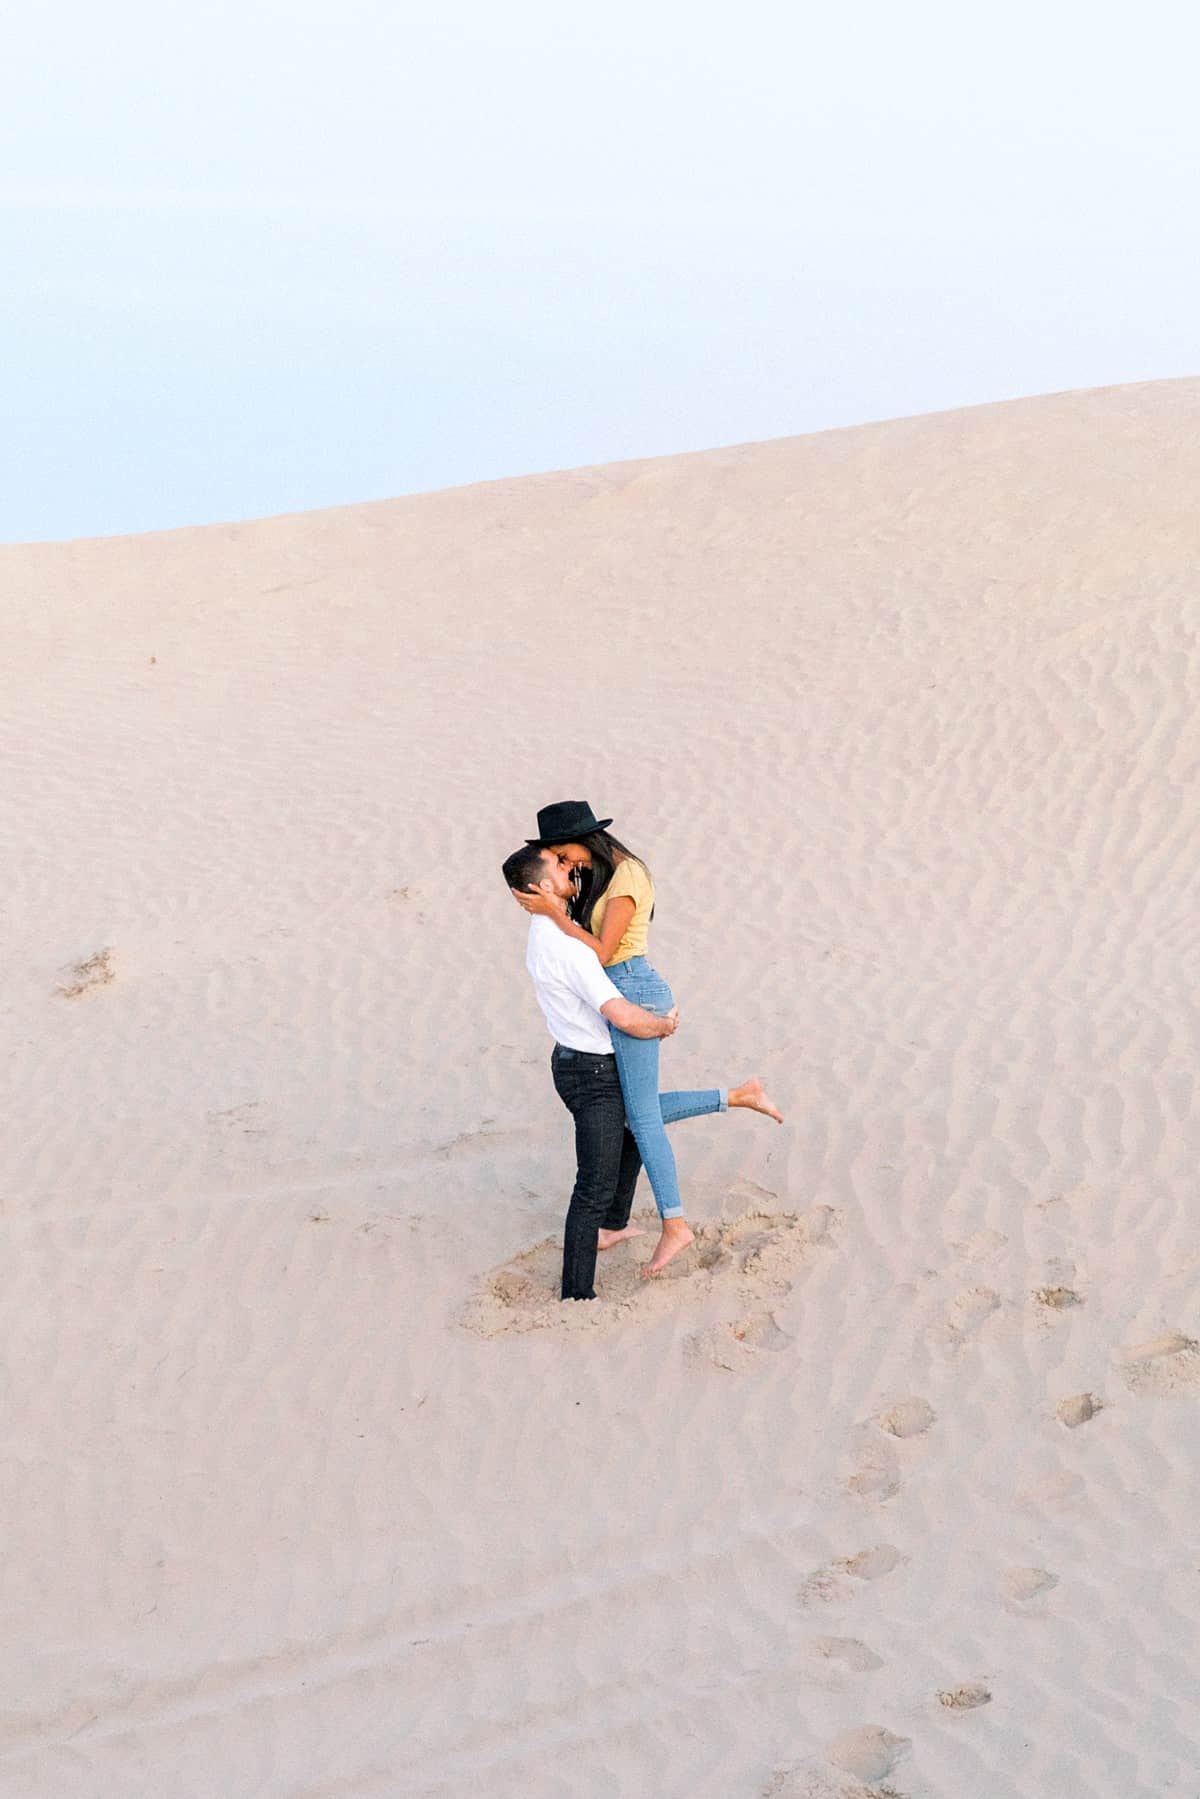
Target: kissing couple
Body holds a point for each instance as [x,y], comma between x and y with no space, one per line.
[591,901]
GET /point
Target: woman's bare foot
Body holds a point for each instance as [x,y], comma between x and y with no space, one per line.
[751,1094]
[608,1238]
[676,1235]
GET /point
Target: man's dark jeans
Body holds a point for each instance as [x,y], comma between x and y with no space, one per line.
[607,1158]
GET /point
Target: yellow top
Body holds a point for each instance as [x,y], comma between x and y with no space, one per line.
[630,878]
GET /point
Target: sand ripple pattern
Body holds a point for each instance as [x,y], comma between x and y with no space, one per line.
[310,1491]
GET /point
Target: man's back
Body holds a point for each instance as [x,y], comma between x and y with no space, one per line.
[571,987]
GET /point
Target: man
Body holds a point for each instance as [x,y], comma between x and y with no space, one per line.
[577,998]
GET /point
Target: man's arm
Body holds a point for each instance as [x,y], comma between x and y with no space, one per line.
[635,1022]
[581,972]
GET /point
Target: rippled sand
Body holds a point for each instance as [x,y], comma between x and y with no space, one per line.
[312,1490]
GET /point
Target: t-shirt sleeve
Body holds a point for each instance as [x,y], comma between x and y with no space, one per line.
[631,879]
[582,973]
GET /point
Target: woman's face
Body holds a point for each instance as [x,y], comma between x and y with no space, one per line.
[572,854]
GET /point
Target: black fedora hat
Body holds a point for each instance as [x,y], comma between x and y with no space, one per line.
[565,822]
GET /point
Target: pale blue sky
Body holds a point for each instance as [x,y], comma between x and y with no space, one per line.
[269,256]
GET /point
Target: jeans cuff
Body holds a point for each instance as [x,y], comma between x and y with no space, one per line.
[672,1212]
[723,1099]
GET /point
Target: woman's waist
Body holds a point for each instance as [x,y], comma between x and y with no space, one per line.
[637,964]
[635,976]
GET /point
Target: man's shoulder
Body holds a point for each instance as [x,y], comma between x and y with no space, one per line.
[548,944]
[553,956]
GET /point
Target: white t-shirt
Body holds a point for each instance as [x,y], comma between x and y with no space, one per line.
[571,987]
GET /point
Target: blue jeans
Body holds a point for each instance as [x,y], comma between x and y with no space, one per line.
[647,1110]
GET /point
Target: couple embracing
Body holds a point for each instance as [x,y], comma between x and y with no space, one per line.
[606,1007]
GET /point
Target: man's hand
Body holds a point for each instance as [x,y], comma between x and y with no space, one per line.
[635,1021]
[545,905]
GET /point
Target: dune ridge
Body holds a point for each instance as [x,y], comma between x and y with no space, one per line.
[311,1489]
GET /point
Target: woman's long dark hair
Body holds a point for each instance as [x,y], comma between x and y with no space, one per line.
[605,850]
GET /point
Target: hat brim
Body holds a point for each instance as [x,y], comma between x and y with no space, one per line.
[543,843]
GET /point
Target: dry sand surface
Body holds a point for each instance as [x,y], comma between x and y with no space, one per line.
[311,1488]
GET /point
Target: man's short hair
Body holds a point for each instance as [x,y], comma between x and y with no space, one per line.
[524,868]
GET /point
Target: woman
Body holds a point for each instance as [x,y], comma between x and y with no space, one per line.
[612,913]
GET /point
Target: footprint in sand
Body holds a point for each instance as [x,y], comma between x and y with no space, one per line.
[1057,1299]
[875,1480]
[85,977]
[1077,1410]
[760,1331]
[1023,1584]
[872,1564]
[848,1652]
[1164,1367]
[869,1753]
[967,1311]
[822,1587]
[765,1248]
[762,1252]
[736,1346]
[965,1698]
[826,1585]
[754,1255]
[907,1418]
[980,1246]
[875,1465]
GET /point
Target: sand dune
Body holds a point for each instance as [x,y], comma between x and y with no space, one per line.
[312,1488]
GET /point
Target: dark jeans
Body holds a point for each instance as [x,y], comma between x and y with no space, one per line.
[607,1158]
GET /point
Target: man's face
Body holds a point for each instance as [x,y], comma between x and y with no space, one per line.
[555,876]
